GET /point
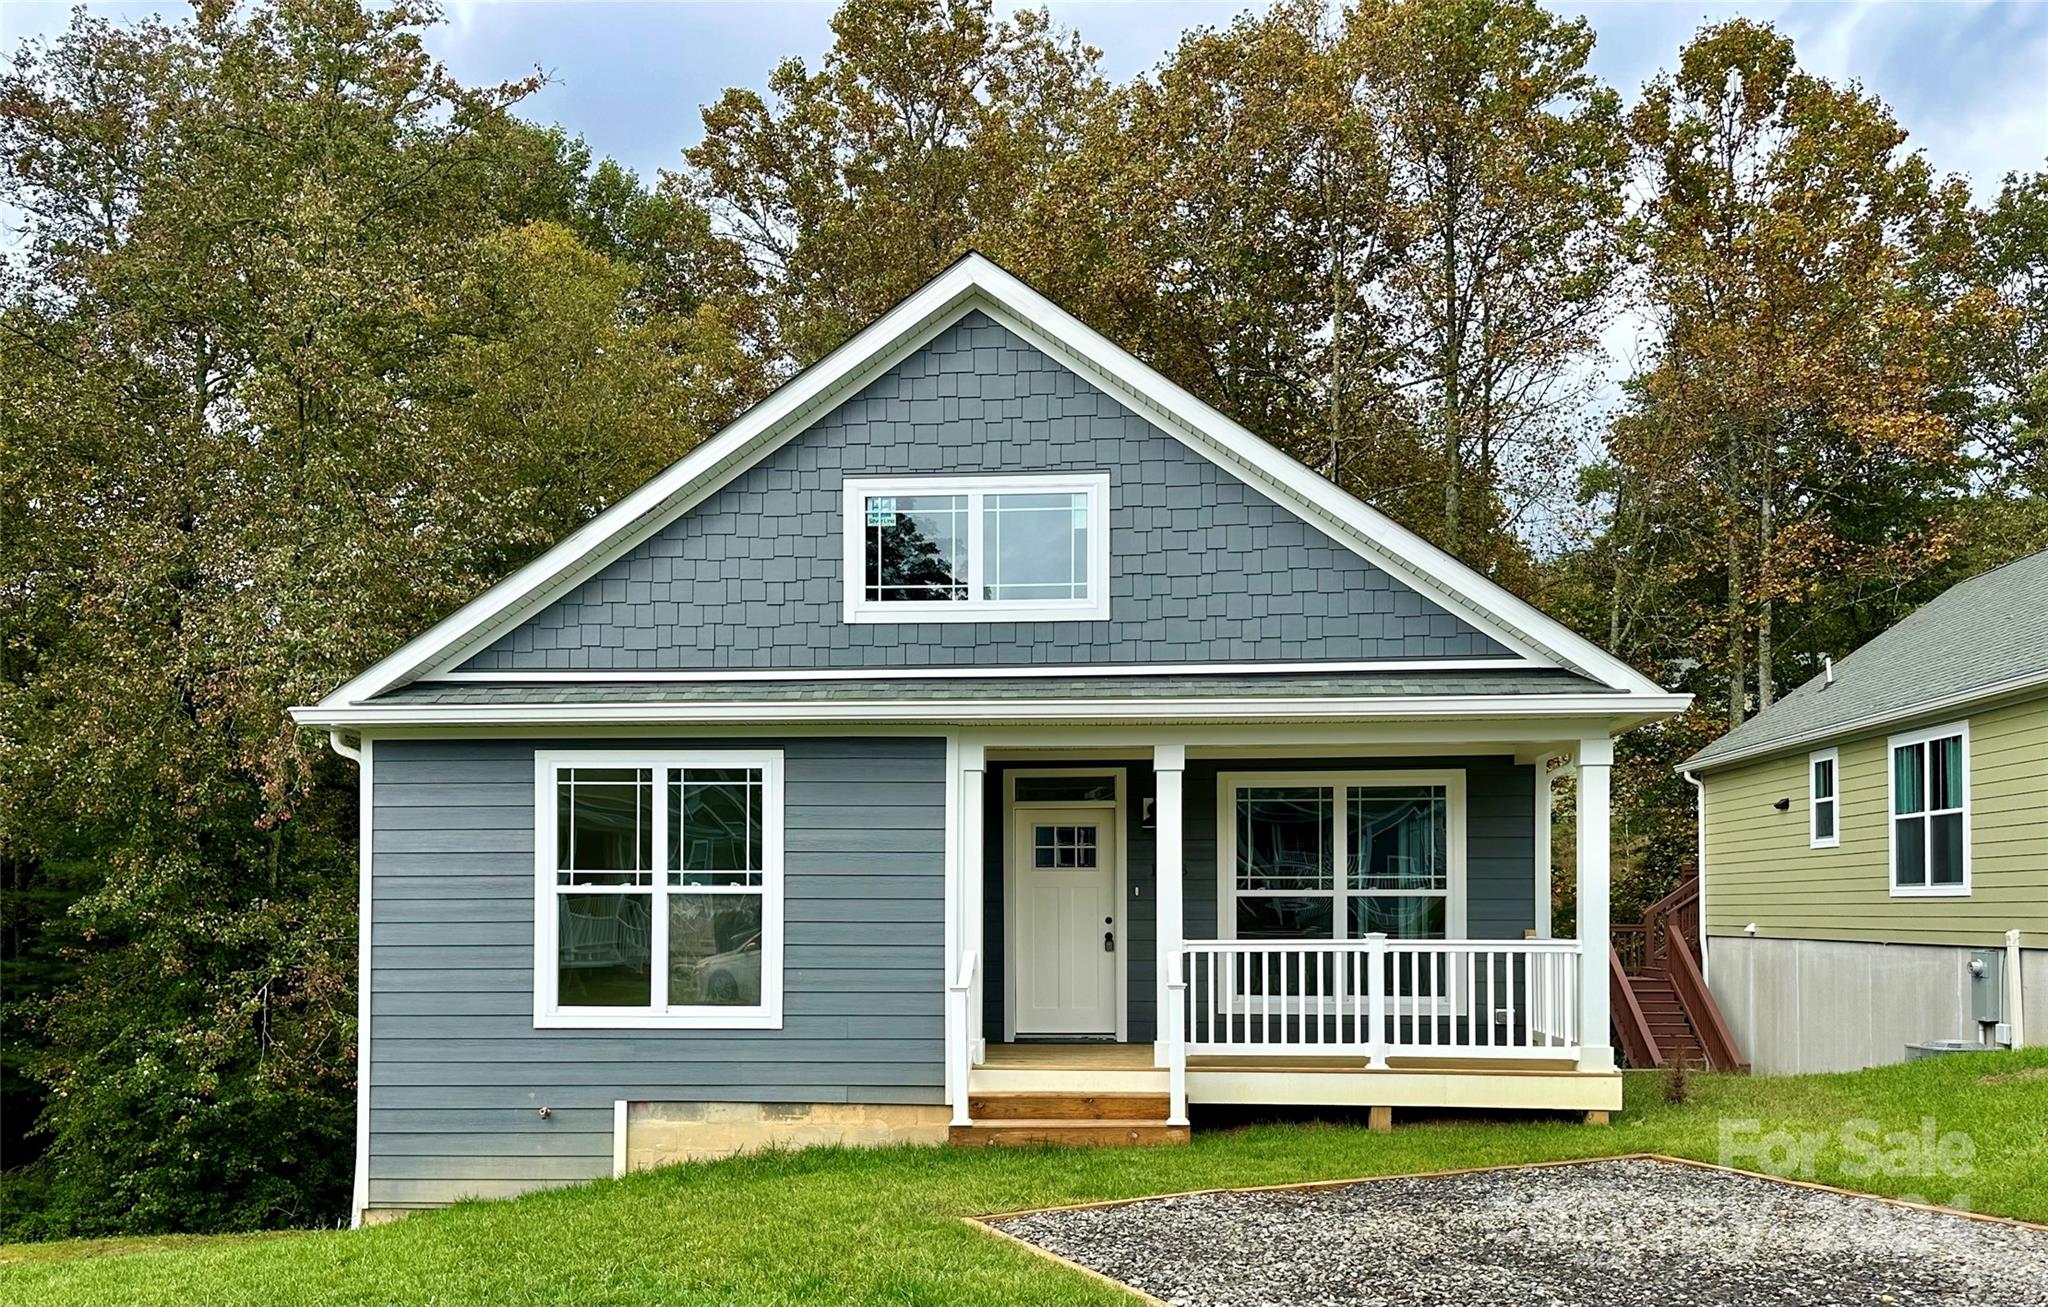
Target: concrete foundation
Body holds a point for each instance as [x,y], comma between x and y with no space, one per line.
[660,1133]
[1797,1005]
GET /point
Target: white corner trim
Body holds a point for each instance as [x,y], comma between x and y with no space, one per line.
[975,282]
[364,756]
[618,1138]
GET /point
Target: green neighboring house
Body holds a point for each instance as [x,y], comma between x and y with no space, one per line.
[1874,846]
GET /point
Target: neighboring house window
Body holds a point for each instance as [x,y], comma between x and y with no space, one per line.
[1331,856]
[659,890]
[1823,807]
[1930,802]
[977,549]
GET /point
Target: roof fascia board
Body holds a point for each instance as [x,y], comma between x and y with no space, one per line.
[1983,696]
[1631,706]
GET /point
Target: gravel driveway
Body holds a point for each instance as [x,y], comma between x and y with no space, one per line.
[1634,1231]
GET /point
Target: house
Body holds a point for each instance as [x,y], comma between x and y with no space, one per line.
[978,733]
[1874,846]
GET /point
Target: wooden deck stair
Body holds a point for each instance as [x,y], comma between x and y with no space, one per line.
[1010,1120]
[1663,1012]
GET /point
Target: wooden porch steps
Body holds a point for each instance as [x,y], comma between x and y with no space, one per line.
[1074,1120]
[1663,1013]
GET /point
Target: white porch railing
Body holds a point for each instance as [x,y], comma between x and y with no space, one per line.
[1378,998]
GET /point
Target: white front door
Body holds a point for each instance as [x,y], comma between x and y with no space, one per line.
[1067,927]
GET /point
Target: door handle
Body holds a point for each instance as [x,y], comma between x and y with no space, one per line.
[1109,941]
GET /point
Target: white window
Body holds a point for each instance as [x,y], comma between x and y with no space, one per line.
[1930,811]
[1320,855]
[658,890]
[977,549]
[1823,822]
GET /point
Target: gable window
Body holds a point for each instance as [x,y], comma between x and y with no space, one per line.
[658,890]
[977,549]
[1333,856]
[1822,806]
[1930,811]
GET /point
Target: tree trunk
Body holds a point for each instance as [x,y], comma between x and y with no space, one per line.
[1766,688]
[1453,361]
[1735,641]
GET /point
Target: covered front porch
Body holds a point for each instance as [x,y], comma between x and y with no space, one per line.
[1352,917]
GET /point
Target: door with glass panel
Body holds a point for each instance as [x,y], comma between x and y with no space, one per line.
[1066,933]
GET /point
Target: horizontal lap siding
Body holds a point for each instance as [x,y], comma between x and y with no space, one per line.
[1760,868]
[459,1074]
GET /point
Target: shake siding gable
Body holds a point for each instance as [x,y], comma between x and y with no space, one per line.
[1203,568]
[458,1074]
[1759,868]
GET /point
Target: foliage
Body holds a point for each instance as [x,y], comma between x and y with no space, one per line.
[832,1225]
[301,353]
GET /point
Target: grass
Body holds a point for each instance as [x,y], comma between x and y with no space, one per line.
[830,1225]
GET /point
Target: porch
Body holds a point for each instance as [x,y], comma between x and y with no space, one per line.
[1379,937]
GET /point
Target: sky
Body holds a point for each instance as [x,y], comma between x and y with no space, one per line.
[1968,80]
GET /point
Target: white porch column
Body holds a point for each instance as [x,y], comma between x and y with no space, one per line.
[973,873]
[1169,761]
[1596,762]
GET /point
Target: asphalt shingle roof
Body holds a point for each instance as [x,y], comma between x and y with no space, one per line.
[1982,633]
[1519,681]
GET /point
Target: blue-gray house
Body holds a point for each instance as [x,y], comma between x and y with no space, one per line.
[979,738]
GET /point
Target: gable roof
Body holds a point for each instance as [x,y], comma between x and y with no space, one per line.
[1981,638]
[972,283]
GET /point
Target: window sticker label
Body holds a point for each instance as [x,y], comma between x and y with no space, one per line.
[882,512]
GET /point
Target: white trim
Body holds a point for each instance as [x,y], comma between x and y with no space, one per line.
[1700,862]
[618,1138]
[1924,735]
[1120,804]
[547,1012]
[1007,710]
[856,608]
[974,282]
[1067,671]
[1814,840]
[364,756]
[1594,830]
[1541,836]
[1452,781]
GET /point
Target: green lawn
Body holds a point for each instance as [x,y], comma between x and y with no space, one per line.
[842,1226]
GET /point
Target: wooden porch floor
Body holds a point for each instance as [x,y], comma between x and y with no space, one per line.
[1098,1055]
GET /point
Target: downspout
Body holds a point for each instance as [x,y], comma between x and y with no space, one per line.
[360,754]
[2017,978]
[1700,870]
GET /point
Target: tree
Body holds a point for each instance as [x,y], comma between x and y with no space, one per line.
[1798,403]
[300,353]
[925,133]
[1508,162]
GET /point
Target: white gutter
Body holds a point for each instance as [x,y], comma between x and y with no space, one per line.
[998,710]
[1700,866]
[361,755]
